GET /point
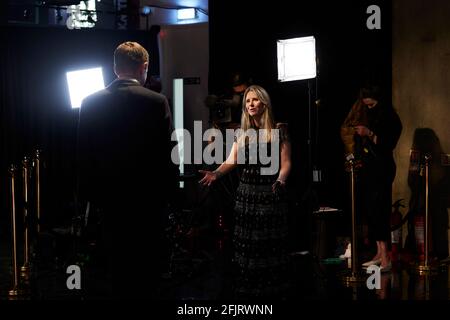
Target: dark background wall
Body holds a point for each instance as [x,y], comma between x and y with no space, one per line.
[421,82]
[243,36]
[35,110]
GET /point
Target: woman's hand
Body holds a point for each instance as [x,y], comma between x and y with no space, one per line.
[209,178]
[278,185]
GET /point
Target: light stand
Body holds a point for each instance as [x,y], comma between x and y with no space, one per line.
[310,148]
[297,61]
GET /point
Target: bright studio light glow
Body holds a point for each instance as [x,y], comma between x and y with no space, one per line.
[296,59]
[185,14]
[83,83]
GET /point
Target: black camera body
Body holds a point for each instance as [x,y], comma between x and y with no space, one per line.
[222,107]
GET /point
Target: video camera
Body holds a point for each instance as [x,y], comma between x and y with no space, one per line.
[220,107]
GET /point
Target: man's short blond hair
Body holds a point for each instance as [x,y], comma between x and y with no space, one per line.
[128,56]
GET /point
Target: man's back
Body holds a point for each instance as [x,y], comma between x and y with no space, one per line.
[124,151]
[124,137]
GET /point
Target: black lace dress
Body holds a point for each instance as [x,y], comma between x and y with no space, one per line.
[261,231]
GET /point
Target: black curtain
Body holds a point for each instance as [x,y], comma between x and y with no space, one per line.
[35,110]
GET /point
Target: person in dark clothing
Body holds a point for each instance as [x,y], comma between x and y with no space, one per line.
[376,136]
[126,172]
[239,82]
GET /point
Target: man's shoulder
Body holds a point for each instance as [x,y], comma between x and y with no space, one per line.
[149,94]
[138,95]
[95,97]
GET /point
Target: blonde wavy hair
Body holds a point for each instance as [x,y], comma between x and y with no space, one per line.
[267,120]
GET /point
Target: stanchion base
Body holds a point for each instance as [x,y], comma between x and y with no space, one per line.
[15,292]
[423,269]
[354,279]
[19,293]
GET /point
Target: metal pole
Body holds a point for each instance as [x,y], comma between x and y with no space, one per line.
[427,179]
[425,267]
[356,278]
[37,160]
[15,289]
[310,146]
[25,176]
[354,245]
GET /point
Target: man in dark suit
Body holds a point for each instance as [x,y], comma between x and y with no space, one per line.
[126,172]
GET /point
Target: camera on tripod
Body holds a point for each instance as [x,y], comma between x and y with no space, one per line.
[221,107]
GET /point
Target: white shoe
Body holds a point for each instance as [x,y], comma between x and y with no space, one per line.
[371,262]
[348,252]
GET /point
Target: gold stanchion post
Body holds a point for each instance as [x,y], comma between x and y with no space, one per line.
[37,169]
[356,277]
[426,268]
[25,269]
[15,291]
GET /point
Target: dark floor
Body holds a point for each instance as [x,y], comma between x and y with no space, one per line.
[197,272]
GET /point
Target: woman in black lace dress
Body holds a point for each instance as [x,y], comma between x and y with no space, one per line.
[262,148]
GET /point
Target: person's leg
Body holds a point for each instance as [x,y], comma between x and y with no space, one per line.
[378,254]
[385,260]
[379,221]
[373,224]
[383,225]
